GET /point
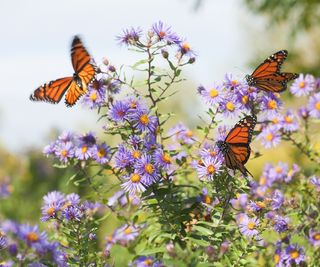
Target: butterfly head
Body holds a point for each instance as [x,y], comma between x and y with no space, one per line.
[222,145]
[250,80]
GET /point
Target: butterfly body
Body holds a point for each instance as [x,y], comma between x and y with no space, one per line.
[76,85]
[267,75]
[236,146]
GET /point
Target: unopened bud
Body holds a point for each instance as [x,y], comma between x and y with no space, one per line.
[164,53]
[105,61]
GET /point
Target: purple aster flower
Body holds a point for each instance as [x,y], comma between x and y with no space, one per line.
[185,50]
[95,96]
[289,122]
[294,254]
[146,261]
[270,137]
[231,82]
[72,213]
[147,169]
[53,202]
[279,172]
[256,206]
[88,139]
[73,199]
[314,238]
[32,236]
[13,249]
[230,107]
[119,197]
[64,151]
[314,180]
[303,113]
[270,104]
[209,151]
[125,234]
[314,106]
[278,258]
[180,133]
[66,137]
[302,86]
[240,201]
[164,33]
[277,200]
[143,121]
[83,152]
[280,223]
[49,150]
[292,172]
[248,226]
[133,183]
[135,141]
[130,36]
[101,153]
[162,159]
[208,167]
[213,95]
[114,86]
[122,158]
[119,111]
[245,95]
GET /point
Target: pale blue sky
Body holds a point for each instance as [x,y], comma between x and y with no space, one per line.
[35,47]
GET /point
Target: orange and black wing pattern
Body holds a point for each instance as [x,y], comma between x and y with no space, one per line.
[236,146]
[267,76]
[75,86]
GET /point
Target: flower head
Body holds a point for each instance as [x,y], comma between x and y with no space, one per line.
[133,183]
[212,95]
[248,226]
[314,106]
[314,238]
[164,33]
[207,168]
[270,137]
[130,36]
[64,151]
[119,111]
[294,254]
[302,86]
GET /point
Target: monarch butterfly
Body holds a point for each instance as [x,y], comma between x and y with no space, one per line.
[236,147]
[267,76]
[76,85]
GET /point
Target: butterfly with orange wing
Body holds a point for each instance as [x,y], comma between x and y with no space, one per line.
[267,76]
[75,86]
[236,147]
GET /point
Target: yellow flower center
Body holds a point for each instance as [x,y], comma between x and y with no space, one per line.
[135,178]
[189,133]
[212,153]
[133,104]
[136,154]
[275,120]
[278,170]
[272,104]
[93,96]
[261,204]
[162,34]
[101,153]
[213,93]
[50,211]
[211,169]
[144,119]
[302,84]
[316,236]
[269,137]
[84,149]
[128,231]
[230,106]
[288,119]
[149,168]
[207,200]
[148,262]
[317,105]
[276,258]
[263,180]
[32,237]
[166,158]
[251,225]
[245,99]
[294,254]
[64,153]
[186,46]
[234,82]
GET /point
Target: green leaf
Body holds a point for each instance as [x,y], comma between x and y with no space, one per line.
[202,230]
[140,62]
[199,242]
[151,251]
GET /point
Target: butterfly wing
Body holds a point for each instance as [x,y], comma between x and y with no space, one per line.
[84,72]
[267,76]
[238,144]
[53,91]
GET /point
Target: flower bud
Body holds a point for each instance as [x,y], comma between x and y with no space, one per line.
[164,53]
[105,61]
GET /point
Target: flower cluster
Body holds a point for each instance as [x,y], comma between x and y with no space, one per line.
[5,187]
[70,146]
[25,243]
[67,208]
